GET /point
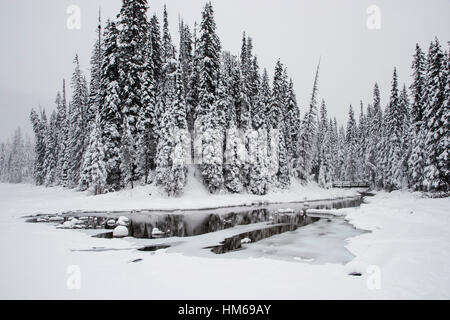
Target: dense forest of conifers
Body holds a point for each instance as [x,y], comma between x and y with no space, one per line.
[152,111]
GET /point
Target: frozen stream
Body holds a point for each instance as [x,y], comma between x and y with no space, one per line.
[280,231]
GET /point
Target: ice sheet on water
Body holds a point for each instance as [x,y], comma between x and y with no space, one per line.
[320,242]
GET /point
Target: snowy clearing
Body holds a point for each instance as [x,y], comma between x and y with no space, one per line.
[34,199]
[409,243]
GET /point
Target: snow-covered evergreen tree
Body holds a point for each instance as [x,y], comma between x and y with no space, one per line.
[292,122]
[174,144]
[308,135]
[39,123]
[283,175]
[50,162]
[262,107]
[275,112]
[277,140]
[244,113]
[233,163]
[436,119]
[156,55]
[393,139]
[416,160]
[192,93]
[351,147]
[95,81]
[407,135]
[362,144]
[373,154]
[147,126]
[62,135]
[132,41]
[110,106]
[78,129]
[228,99]
[322,125]
[127,155]
[259,180]
[186,55]
[93,172]
[207,118]
[326,167]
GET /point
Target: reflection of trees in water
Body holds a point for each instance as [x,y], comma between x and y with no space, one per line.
[289,223]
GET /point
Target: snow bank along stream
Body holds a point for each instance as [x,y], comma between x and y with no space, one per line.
[297,231]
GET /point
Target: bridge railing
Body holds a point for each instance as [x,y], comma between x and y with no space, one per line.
[351,184]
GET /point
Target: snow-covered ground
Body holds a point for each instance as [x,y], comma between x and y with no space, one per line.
[56,199]
[406,254]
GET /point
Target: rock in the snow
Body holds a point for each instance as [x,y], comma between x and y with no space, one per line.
[122,221]
[111,223]
[56,219]
[246,240]
[120,231]
[65,225]
[156,233]
[75,221]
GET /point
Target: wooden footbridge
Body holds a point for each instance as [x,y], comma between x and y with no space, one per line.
[351,184]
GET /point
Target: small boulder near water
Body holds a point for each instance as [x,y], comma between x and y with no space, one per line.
[120,232]
[122,221]
[56,219]
[246,240]
[65,225]
[72,223]
[111,223]
[156,233]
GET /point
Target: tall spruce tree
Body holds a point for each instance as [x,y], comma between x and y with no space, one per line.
[156,56]
[110,106]
[211,135]
[127,155]
[173,147]
[351,147]
[375,122]
[308,135]
[407,135]
[132,40]
[292,122]
[192,93]
[50,151]
[93,172]
[78,122]
[186,55]
[326,167]
[416,161]
[436,119]
[229,96]
[38,122]
[62,135]
[277,140]
[96,70]
[394,139]
[147,126]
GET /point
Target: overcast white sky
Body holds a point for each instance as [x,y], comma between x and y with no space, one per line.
[38,49]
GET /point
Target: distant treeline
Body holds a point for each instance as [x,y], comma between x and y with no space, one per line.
[17,159]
